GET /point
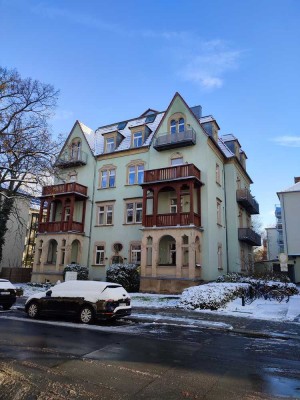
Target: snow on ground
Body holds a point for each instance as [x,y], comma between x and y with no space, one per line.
[260,308]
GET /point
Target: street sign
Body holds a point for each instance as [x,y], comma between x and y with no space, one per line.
[71,276]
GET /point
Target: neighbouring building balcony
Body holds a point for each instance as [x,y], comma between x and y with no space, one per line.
[61,226]
[278,212]
[246,200]
[65,188]
[172,173]
[181,219]
[67,160]
[167,141]
[248,235]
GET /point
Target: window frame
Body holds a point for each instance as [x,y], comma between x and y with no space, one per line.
[135,253]
[108,210]
[110,172]
[138,139]
[135,211]
[99,252]
[219,212]
[111,140]
[135,169]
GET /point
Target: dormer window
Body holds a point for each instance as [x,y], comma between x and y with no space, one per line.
[139,134]
[137,139]
[173,126]
[110,145]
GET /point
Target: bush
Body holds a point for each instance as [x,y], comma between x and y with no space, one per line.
[211,296]
[126,275]
[82,272]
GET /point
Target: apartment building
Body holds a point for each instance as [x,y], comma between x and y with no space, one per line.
[163,190]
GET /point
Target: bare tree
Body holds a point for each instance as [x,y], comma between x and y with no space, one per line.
[27,149]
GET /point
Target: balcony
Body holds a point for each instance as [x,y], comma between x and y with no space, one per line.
[279,226]
[246,200]
[60,226]
[182,219]
[278,212]
[67,160]
[65,188]
[247,235]
[172,173]
[168,141]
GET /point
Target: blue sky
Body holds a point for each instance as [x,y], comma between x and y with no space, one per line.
[240,60]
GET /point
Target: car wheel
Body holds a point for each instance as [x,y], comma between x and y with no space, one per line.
[33,310]
[86,315]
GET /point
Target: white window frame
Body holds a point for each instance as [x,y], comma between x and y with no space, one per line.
[99,254]
[135,253]
[176,161]
[173,205]
[107,210]
[219,212]
[137,209]
[137,172]
[110,145]
[106,176]
[181,125]
[137,139]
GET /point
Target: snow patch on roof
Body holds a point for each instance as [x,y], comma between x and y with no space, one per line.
[294,188]
[228,153]
[89,134]
[228,138]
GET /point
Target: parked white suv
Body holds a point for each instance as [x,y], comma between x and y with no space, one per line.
[87,300]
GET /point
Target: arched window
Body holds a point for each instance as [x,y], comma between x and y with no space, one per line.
[181,125]
[52,252]
[76,149]
[173,126]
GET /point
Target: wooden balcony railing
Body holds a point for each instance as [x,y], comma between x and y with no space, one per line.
[244,197]
[172,219]
[170,173]
[248,235]
[60,226]
[71,187]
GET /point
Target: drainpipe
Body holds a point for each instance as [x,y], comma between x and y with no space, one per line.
[91,218]
[226,225]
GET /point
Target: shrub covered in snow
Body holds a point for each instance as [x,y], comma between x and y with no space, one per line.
[82,272]
[212,295]
[126,275]
[264,282]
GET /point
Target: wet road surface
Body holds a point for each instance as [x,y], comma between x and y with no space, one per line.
[124,360]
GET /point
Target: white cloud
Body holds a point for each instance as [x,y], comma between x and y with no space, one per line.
[208,63]
[287,141]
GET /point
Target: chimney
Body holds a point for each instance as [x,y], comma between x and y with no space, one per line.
[197,111]
[297,179]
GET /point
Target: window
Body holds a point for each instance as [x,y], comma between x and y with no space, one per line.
[121,125]
[110,145]
[134,212]
[181,125]
[135,252]
[105,214]
[75,150]
[52,252]
[107,178]
[150,118]
[220,256]
[99,255]
[173,206]
[219,212]
[149,250]
[218,174]
[176,161]
[173,126]
[137,139]
[135,174]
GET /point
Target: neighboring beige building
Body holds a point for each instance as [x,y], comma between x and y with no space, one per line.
[16,237]
[163,190]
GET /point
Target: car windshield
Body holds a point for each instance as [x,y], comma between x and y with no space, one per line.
[111,287]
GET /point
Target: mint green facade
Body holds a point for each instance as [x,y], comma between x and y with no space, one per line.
[186,253]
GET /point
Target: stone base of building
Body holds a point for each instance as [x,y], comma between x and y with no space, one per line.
[166,285]
[43,277]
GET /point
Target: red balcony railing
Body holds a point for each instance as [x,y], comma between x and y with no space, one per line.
[58,226]
[172,219]
[170,173]
[71,187]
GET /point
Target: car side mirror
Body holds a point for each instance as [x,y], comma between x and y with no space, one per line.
[48,293]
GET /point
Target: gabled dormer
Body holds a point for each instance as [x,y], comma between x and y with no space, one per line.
[139,134]
[233,144]
[112,140]
[211,127]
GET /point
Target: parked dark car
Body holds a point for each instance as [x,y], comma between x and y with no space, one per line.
[7,294]
[87,300]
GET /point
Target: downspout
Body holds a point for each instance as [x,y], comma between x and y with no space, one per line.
[91,218]
[226,226]
[283,218]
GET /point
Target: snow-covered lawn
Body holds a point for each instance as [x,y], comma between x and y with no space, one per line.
[260,308]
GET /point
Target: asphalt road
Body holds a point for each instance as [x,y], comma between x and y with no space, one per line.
[57,360]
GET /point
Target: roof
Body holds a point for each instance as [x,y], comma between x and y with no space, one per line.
[228,153]
[294,188]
